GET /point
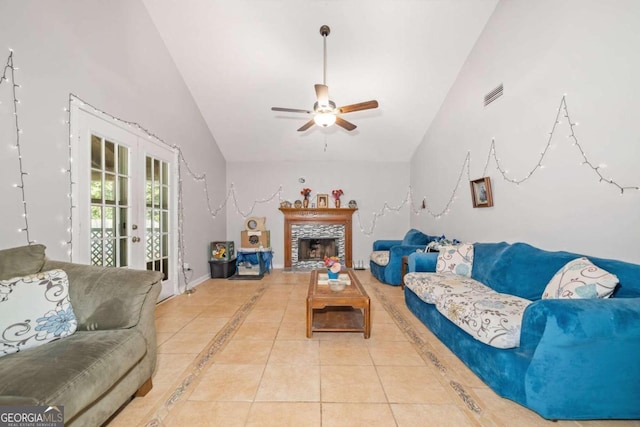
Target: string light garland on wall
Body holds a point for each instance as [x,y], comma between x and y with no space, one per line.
[564,111]
[69,171]
[10,68]
[184,168]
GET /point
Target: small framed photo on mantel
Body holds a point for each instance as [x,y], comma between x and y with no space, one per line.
[323,200]
[481,193]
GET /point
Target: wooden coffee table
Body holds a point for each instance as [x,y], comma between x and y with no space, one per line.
[348,310]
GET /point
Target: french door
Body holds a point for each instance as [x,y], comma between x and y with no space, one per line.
[125,198]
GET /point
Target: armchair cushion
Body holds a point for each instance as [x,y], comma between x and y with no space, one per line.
[380,257]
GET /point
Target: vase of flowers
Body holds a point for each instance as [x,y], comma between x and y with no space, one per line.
[333,266]
[336,196]
[306,192]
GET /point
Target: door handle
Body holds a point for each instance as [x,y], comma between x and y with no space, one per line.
[135,239]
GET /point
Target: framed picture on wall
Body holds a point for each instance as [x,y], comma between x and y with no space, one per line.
[323,201]
[481,193]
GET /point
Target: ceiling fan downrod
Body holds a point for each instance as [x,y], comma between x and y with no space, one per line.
[324,31]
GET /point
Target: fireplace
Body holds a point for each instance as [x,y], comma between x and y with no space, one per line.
[310,234]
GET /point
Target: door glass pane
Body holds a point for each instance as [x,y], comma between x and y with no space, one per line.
[123,187]
[109,156]
[124,220]
[165,197]
[124,252]
[109,210]
[96,152]
[157,215]
[96,187]
[156,194]
[109,188]
[123,160]
[96,235]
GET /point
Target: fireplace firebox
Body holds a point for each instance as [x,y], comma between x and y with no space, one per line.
[311,249]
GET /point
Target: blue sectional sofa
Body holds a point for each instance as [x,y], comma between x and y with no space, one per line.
[577,358]
[389,271]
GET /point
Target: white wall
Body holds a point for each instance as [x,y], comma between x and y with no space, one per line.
[539,51]
[109,54]
[369,184]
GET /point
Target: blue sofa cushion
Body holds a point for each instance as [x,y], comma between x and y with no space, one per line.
[416,237]
[523,270]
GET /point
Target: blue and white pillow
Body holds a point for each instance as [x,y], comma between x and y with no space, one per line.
[580,279]
[35,310]
[456,259]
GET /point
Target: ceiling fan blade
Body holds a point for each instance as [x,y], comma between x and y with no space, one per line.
[306,125]
[345,124]
[367,105]
[291,110]
[322,93]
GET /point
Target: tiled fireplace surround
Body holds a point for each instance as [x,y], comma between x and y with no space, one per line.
[317,223]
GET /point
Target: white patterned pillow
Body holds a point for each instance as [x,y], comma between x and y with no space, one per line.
[456,259]
[580,279]
[34,310]
[380,257]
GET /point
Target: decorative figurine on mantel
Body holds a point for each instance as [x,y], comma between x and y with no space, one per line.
[336,196]
[306,192]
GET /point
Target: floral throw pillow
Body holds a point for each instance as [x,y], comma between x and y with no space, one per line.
[578,279]
[34,310]
[456,259]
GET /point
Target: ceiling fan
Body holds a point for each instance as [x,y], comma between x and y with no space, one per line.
[324,110]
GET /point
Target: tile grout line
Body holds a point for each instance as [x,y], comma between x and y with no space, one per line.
[174,396]
[428,354]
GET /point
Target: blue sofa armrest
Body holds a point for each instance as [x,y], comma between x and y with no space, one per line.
[591,344]
[422,262]
[385,245]
[393,270]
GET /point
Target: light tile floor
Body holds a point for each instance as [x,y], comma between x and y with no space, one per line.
[235,353]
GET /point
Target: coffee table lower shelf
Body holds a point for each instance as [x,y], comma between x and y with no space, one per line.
[338,319]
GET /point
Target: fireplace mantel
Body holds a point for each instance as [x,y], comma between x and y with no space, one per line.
[293,216]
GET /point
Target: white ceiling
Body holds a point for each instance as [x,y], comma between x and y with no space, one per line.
[240,58]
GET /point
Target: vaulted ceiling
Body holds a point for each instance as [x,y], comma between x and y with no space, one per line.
[240,58]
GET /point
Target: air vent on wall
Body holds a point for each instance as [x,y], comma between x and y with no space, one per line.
[493,95]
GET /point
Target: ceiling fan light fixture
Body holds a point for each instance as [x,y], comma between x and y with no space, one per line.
[325,113]
[324,119]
